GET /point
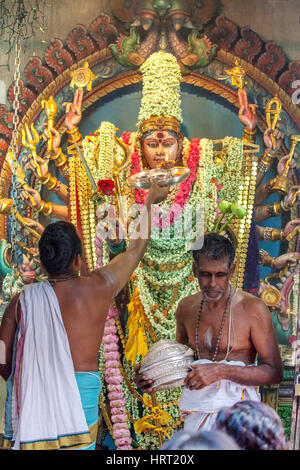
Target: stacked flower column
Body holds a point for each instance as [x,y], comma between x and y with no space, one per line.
[113,376]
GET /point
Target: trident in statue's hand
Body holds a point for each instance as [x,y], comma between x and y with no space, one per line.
[31,143]
[273,112]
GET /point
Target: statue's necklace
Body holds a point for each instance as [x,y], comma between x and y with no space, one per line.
[220,329]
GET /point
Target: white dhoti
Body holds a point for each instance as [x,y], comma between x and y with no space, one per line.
[43,409]
[199,408]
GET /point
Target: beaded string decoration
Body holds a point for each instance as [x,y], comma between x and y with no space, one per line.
[220,328]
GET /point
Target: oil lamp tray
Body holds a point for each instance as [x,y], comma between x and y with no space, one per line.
[171,177]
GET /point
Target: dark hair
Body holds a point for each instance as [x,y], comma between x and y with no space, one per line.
[59,245]
[201,440]
[253,426]
[215,247]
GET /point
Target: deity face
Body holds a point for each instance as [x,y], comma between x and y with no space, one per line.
[213,277]
[160,146]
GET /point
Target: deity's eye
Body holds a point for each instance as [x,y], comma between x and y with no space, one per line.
[169,143]
[152,144]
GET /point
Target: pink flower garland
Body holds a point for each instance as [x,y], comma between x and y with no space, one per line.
[184,189]
[113,376]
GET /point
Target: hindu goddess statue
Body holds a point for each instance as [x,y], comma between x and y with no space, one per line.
[100,166]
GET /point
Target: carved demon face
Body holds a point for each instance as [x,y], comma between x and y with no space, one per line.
[151,11]
[180,13]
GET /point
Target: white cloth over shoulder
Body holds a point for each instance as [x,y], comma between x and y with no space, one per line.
[200,407]
[50,407]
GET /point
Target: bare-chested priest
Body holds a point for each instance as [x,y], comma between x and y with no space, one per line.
[227,328]
[52,332]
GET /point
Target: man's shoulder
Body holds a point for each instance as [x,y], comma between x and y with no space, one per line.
[188,303]
[252,304]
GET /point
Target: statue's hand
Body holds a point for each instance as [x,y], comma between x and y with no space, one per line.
[291,199]
[73,110]
[38,166]
[288,259]
[247,112]
[55,136]
[282,163]
[31,198]
[268,140]
[35,225]
[27,273]
[290,226]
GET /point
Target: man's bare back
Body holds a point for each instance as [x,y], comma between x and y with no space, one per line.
[84,300]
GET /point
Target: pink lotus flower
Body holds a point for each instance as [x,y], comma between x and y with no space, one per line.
[124,441]
[110,338]
[113,379]
[119,418]
[120,426]
[118,395]
[114,388]
[118,433]
[110,371]
[110,347]
[112,355]
[110,364]
[117,404]
[110,330]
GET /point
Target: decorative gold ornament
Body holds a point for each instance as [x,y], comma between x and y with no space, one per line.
[50,108]
[160,123]
[271,296]
[273,110]
[31,143]
[6,208]
[267,158]
[238,75]
[282,182]
[83,77]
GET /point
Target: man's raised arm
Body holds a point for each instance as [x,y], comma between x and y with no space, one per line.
[121,267]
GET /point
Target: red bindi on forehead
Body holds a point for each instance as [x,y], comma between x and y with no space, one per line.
[160,135]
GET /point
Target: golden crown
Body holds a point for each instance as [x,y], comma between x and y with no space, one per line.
[160,123]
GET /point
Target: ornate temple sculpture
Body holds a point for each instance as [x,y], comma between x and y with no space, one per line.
[94,169]
[217,170]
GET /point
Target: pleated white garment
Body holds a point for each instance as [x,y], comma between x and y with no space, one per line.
[200,407]
[48,412]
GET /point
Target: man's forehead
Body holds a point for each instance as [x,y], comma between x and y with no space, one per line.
[212,265]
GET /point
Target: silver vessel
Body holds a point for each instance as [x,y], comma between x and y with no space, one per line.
[167,363]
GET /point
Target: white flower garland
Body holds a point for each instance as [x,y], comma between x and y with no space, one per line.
[99,150]
[161,87]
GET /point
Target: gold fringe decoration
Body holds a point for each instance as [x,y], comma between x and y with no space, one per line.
[137,342]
